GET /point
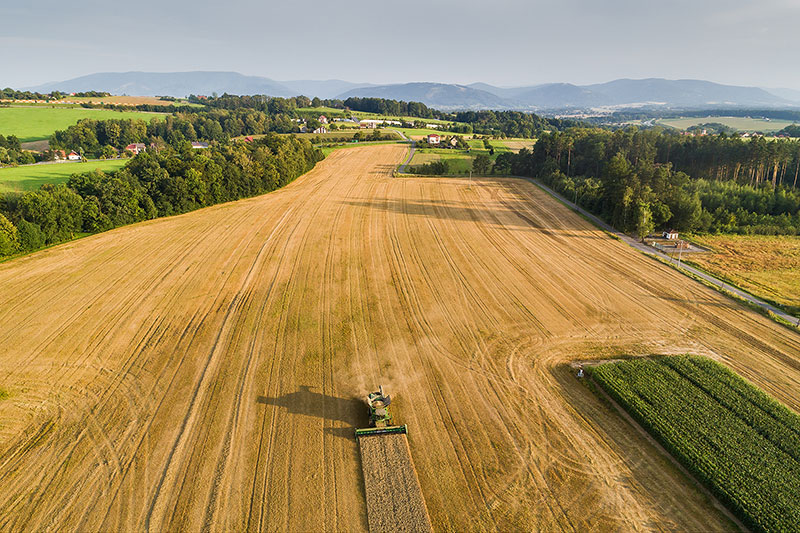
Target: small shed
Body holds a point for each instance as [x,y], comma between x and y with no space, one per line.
[671,235]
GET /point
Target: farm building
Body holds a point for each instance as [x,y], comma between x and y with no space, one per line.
[74,156]
[323,119]
[671,235]
[433,139]
[136,148]
[321,129]
[199,146]
[453,142]
[248,139]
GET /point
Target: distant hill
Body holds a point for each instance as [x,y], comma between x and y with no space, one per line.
[622,93]
[170,84]
[788,94]
[438,95]
[628,92]
[322,89]
[680,93]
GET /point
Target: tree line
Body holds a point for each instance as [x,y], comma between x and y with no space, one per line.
[153,184]
[104,137]
[10,94]
[495,123]
[641,180]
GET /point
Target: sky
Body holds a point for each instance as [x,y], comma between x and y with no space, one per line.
[501,42]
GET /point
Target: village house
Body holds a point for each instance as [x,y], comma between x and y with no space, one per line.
[74,156]
[453,141]
[323,119]
[199,145]
[136,148]
[321,129]
[671,235]
[433,139]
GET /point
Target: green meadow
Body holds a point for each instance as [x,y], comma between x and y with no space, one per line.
[35,123]
[31,177]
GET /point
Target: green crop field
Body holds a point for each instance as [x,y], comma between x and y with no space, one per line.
[739,123]
[35,123]
[31,177]
[743,445]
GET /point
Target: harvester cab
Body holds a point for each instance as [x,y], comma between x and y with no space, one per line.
[380,418]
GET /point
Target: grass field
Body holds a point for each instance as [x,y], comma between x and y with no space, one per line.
[33,123]
[735,439]
[30,177]
[460,161]
[739,123]
[765,266]
[206,371]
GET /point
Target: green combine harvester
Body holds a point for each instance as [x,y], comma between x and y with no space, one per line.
[380,418]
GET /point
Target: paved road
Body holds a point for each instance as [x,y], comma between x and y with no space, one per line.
[402,168]
[651,251]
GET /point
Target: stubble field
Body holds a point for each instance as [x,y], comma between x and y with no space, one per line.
[207,370]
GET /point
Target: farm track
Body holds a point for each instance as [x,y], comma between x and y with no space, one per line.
[206,371]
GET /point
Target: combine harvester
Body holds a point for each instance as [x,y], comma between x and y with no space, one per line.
[380,419]
[394,497]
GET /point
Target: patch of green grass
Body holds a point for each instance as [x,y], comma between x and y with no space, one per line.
[735,439]
[3,394]
[35,123]
[31,177]
[739,123]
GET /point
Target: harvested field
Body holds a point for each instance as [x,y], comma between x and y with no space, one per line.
[205,371]
[515,145]
[394,499]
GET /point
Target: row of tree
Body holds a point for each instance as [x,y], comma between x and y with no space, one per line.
[11,94]
[220,125]
[641,180]
[153,184]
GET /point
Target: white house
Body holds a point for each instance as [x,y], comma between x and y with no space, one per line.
[136,148]
[671,235]
[433,139]
[74,156]
[321,129]
[323,119]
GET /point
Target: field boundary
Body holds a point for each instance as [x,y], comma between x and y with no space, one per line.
[601,392]
[732,291]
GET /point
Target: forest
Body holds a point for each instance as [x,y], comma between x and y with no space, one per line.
[153,184]
[641,180]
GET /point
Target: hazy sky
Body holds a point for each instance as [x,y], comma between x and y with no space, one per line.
[503,42]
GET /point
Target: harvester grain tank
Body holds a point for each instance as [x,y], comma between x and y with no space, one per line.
[380,417]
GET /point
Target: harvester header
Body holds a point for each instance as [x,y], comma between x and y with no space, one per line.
[380,418]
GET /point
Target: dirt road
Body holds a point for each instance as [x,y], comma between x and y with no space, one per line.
[207,370]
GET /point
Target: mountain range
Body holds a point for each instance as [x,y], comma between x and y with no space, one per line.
[622,93]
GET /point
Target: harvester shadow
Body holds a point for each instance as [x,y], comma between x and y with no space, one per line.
[350,411]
